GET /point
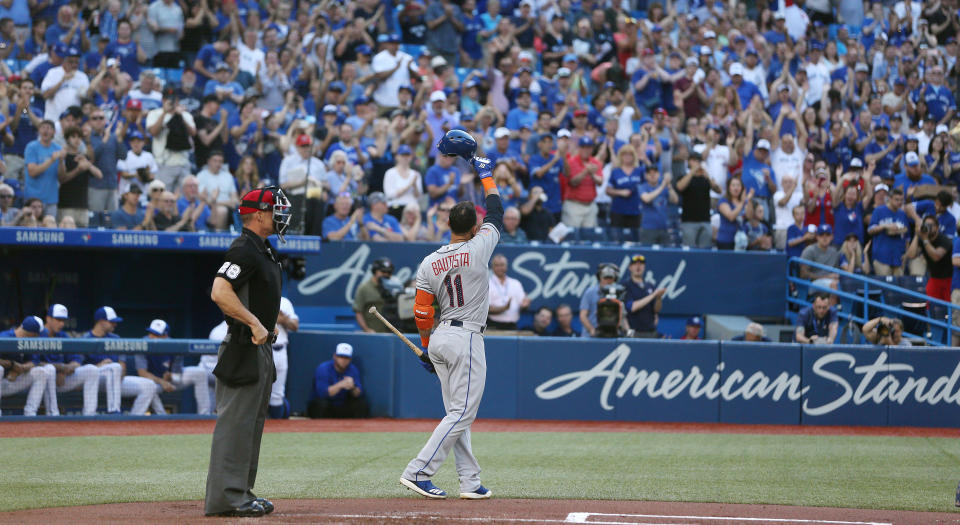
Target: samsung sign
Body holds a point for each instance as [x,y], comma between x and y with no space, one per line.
[551,275]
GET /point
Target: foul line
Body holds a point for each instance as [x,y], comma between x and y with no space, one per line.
[581,517]
[464,518]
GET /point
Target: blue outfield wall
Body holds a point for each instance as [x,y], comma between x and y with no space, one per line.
[657,380]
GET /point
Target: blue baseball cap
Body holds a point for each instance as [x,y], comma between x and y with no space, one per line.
[73,51]
[32,324]
[695,321]
[467,117]
[158,327]
[560,99]
[824,229]
[134,135]
[58,311]
[585,141]
[106,313]
[404,150]
[569,57]
[61,49]
[360,100]
[408,87]
[645,120]
[364,49]
[336,85]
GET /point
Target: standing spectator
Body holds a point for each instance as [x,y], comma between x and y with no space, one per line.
[564,322]
[63,85]
[337,391]
[165,20]
[545,168]
[694,188]
[731,208]
[402,184]
[75,173]
[912,176]
[785,201]
[507,297]
[642,300]
[442,179]
[955,289]
[882,150]
[936,249]
[42,157]
[817,323]
[227,91]
[138,167]
[107,152]
[719,158]
[300,172]
[758,234]
[757,173]
[444,25]
[624,188]
[583,174]
[211,131]
[655,193]
[171,128]
[219,190]
[512,234]
[392,69]
[26,113]
[888,227]
[853,258]
[849,213]
[822,252]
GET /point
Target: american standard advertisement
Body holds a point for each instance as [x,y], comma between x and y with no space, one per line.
[551,275]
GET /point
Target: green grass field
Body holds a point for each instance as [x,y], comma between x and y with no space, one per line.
[836,471]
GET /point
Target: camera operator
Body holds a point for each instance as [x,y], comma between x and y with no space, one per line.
[884,331]
[373,293]
[642,301]
[936,249]
[607,274]
[818,322]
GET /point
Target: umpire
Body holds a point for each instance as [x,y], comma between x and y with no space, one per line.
[247,290]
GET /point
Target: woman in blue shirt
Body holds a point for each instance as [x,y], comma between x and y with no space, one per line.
[731,212]
[655,192]
[622,187]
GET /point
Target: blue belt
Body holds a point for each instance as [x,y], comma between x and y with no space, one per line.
[459,324]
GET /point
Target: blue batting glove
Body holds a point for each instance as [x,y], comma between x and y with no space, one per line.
[426,363]
[482,166]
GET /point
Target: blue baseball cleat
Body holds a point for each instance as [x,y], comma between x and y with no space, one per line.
[425,488]
[481,493]
[957,502]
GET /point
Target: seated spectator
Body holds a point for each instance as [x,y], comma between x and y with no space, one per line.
[168,220]
[884,331]
[8,213]
[129,216]
[191,203]
[512,233]
[937,250]
[412,225]
[564,322]
[753,333]
[337,390]
[218,189]
[341,224]
[49,221]
[507,297]
[379,225]
[853,256]
[822,252]
[30,215]
[542,320]
[817,323]
[758,235]
[692,329]
[67,223]
[642,301]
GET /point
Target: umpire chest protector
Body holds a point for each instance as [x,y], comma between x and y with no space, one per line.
[252,268]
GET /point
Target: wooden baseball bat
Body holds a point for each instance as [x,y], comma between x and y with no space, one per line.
[415,348]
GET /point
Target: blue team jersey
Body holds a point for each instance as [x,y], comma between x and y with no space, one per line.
[51,358]
[845,221]
[795,232]
[903,182]
[389,222]
[754,176]
[956,269]
[939,100]
[439,176]
[654,213]
[649,96]
[838,153]
[728,229]
[550,181]
[92,359]
[888,249]
[948,223]
[622,180]
[326,374]
[885,165]
[127,55]
[332,224]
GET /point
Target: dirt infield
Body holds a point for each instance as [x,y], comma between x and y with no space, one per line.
[499,511]
[148,427]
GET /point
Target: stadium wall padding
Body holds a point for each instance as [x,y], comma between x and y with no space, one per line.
[659,380]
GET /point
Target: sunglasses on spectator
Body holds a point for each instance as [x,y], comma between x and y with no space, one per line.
[444,209]
[96,117]
[156,190]
[5,196]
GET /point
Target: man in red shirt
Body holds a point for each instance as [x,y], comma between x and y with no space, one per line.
[578,185]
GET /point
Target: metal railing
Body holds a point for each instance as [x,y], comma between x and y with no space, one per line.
[863,302]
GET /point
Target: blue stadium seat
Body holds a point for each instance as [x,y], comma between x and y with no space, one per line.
[592,234]
[172,75]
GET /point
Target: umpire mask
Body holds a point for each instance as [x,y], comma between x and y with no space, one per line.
[267,199]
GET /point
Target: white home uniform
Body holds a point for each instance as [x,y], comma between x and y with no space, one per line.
[209,361]
[457,275]
[279,388]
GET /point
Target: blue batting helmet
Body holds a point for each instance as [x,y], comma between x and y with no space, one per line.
[458,142]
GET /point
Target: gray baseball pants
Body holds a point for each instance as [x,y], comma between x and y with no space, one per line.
[459,358]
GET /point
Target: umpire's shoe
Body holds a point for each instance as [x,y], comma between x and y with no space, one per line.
[250,510]
[266,504]
[425,488]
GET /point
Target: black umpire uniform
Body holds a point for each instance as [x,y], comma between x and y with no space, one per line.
[245,372]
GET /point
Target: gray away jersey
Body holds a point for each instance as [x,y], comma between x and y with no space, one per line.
[457,275]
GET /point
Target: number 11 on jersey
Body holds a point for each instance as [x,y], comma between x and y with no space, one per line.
[456,283]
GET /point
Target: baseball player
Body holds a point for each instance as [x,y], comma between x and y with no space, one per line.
[287,321]
[168,373]
[17,372]
[113,370]
[66,373]
[456,276]
[208,362]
